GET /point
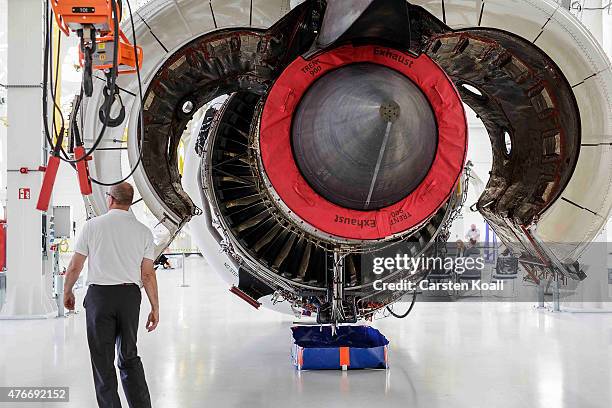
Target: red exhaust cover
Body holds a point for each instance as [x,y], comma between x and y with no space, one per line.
[434,191]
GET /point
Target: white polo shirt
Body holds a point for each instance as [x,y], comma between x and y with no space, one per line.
[473,234]
[115,245]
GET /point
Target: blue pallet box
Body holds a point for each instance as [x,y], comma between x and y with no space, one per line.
[353,347]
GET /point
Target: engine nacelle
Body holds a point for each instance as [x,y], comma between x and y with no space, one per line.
[344,133]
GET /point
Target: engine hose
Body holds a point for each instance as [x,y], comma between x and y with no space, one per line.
[414,296]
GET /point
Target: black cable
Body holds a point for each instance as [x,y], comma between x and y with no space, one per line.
[73,127]
[48,72]
[414,296]
[47,69]
[53,85]
[111,83]
[140,110]
[46,75]
[112,86]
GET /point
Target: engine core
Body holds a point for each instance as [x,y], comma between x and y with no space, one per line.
[364,136]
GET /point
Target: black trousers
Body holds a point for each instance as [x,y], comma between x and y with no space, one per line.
[112,322]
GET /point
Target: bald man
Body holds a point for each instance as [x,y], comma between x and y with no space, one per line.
[120,254]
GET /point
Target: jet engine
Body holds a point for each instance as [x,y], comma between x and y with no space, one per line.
[343,134]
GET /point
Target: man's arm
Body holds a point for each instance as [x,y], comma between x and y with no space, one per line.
[149,281]
[72,275]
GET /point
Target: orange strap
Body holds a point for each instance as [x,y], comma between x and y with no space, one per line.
[345,356]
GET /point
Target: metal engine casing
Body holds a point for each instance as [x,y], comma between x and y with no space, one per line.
[165,27]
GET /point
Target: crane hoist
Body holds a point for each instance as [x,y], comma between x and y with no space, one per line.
[103,47]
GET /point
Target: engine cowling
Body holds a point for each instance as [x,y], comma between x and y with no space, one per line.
[286,210]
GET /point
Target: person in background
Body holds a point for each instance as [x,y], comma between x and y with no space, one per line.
[120,254]
[473,236]
[460,245]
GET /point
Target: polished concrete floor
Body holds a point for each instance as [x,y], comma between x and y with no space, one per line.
[213,350]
